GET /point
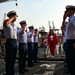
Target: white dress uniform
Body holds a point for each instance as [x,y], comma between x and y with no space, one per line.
[35,39]
[22,38]
[70,28]
[10,31]
[30,39]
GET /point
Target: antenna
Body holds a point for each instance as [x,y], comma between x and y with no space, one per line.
[4,17]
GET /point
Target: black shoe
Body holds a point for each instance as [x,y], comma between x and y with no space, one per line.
[3,73]
[26,70]
[30,65]
[36,61]
[66,70]
[22,72]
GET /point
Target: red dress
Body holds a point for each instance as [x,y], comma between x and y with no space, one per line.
[52,41]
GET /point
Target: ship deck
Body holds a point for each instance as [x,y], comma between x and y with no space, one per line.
[56,65]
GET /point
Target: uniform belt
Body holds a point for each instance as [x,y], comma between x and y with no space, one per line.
[23,43]
[30,42]
[70,40]
[11,39]
[35,42]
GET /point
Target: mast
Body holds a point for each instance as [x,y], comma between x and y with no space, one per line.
[53,24]
[49,25]
[4,17]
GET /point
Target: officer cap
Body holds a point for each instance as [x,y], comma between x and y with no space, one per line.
[70,7]
[23,22]
[11,13]
[31,27]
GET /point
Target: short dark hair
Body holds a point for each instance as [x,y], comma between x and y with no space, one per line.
[36,29]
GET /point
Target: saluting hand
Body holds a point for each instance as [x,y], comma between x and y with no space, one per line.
[63,23]
[65,16]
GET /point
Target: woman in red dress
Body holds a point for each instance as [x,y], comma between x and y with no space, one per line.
[52,41]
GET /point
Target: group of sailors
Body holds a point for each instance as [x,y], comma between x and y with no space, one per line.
[30,39]
[28,44]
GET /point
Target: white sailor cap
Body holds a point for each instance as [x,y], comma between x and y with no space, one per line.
[69,7]
[31,27]
[23,22]
[11,13]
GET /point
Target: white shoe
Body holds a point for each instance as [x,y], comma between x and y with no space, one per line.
[48,56]
[52,56]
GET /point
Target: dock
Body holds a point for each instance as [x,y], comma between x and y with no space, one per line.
[46,65]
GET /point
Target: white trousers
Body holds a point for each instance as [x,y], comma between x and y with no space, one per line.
[47,52]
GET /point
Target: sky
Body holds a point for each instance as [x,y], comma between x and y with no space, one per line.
[37,12]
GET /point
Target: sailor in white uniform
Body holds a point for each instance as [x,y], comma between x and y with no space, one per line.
[30,40]
[22,39]
[10,31]
[70,37]
[35,50]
